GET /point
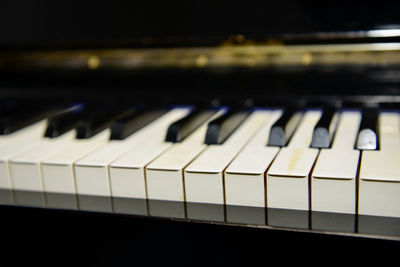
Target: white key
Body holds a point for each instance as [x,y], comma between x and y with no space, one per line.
[244,177]
[58,170]
[127,173]
[25,168]
[288,177]
[30,132]
[15,144]
[334,176]
[92,171]
[379,184]
[204,181]
[165,174]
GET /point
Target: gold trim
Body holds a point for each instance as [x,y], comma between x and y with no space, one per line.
[243,56]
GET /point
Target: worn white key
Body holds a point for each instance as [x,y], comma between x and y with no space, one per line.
[333,182]
[25,168]
[92,171]
[165,174]
[244,177]
[58,170]
[204,181]
[16,143]
[288,176]
[379,184]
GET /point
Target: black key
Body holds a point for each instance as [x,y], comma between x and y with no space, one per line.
[283,129]
[368,135]
[22,118]
[64,121]
[182,128]
[322,134]
[132,121]
[222,127]
[95,121]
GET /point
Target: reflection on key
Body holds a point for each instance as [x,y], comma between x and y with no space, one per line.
[283,129]
[204,176]
[323,131]
[368,134]
[334,176]
[244,177]
[182,128]
[222,127]
[96,120]
[64,121]
[288,177]
[379,183]
[132,121]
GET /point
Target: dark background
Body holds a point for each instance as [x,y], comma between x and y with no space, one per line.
[66,23]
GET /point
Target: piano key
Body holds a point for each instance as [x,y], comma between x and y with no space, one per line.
[127,173]
[222,127]
[244,177]
[25,168]
[288,177]
[368,135]
[334,176]
[97,119]
[64,121]
[58,169]
[284,128]
[132,121]
[92,171]
[23,118]
[204,176]
[164,175]
[379,183]
[16,143]
[323,131]
[182,128]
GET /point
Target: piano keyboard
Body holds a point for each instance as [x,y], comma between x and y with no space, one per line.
[311,159]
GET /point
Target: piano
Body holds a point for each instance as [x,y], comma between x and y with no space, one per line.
[158,133]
